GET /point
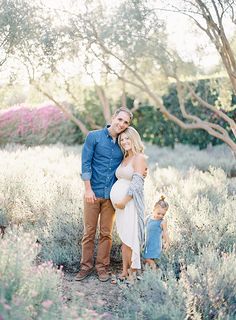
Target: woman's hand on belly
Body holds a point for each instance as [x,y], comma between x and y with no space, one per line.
[119,205]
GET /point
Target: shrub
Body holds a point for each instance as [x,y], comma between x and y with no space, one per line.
[154,299]
[183,157]
[210,286]
[47,198]
[41,190]
[200,214]
[30,291]
[206,290]
[43,125]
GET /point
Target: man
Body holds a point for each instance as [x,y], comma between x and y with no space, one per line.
[101,155]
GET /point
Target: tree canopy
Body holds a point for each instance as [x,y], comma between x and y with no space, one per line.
[127,45]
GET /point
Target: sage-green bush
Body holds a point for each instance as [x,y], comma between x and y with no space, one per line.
[41,191]
[30,291]
[206,290]
[210,285]
[154,299]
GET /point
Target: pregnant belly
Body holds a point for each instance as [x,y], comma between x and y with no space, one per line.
[119,190]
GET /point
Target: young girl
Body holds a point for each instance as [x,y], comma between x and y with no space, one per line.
[156,229]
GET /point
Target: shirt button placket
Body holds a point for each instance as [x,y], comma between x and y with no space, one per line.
[107,179]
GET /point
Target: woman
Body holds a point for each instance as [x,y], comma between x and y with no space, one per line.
[127,198]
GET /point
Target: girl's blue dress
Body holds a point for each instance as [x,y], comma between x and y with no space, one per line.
[153,243]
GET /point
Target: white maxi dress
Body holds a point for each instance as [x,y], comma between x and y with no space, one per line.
[127,218]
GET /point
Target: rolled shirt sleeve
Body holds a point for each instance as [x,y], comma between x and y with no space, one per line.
[87,156]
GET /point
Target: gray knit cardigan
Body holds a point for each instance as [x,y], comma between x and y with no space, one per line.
[136,190]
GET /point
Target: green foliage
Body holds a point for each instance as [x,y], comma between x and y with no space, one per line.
[62,232]
[28,34]
[155,128]
[11,95]
[17,125]
[15,25]
[93,109]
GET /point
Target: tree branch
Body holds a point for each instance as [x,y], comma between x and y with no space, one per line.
[69,115]
[207,105]
[104,102]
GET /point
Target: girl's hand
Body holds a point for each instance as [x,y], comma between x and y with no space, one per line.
[120,205]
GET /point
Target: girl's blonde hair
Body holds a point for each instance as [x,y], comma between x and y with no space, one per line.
[136,142]
[162,203]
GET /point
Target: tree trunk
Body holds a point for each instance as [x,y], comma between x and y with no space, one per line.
[69,115]
[104,102]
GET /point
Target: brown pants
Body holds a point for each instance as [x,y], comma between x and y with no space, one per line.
[92,211]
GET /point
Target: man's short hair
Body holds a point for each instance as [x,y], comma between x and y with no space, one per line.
[124,109]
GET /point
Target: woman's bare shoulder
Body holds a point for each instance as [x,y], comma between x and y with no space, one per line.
[140,157]
[140,160]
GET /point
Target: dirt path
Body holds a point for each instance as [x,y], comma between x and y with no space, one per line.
[103,297]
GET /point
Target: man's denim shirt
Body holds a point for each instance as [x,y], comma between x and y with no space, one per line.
[100,158]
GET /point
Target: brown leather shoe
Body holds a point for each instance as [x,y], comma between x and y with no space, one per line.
[83,274]
[103,275]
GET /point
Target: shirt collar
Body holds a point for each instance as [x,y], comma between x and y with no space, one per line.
[108,133]
[106,129]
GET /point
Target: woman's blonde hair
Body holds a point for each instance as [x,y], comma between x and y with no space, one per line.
[136,142]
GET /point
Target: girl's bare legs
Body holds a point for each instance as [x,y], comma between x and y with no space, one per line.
[151,263]
[126,260]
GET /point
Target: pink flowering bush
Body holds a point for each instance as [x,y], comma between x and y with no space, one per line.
[33,126]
